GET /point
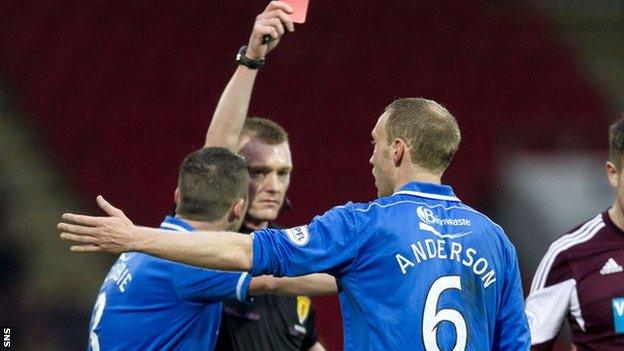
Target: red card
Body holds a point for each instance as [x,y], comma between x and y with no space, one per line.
[301,9]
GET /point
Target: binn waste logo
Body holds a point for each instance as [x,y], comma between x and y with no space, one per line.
[426,215]
[429,219]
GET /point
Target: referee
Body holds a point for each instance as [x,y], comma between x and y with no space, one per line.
[270,322]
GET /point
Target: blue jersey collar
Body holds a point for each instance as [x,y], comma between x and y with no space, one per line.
[176,224]
[428,190]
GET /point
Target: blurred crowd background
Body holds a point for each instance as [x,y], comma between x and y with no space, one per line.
[107,97]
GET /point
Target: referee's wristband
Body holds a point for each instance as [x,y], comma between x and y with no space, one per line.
[246,61]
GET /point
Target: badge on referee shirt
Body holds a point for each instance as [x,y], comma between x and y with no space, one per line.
[303,308]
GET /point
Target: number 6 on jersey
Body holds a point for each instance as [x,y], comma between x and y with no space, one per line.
[432,317]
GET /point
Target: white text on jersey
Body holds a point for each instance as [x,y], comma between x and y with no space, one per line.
[120,273]
[429,249]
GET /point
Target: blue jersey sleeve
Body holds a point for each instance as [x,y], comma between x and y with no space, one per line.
[512,329]
[203,285]
[328,244]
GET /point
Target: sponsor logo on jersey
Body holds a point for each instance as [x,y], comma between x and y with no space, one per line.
[618,314]
[299,236]
[611,267]
[426,215]
[429,219]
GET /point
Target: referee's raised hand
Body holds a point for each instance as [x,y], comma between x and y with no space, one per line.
[274,22]
[112,234]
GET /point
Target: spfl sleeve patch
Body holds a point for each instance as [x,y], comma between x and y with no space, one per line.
[298,235]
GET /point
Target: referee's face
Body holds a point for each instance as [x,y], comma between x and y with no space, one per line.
[381,160]
[269,170]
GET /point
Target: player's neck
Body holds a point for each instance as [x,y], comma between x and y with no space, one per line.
[415,174]
[215,226]
[616,215]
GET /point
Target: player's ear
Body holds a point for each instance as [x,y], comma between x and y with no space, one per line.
[612,173]
[176,196]
[400,149]
[238,210]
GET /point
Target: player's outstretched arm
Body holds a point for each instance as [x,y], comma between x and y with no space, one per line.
[115,233]
[318,284]
[231,112]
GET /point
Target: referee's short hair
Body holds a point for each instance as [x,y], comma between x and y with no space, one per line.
[266,130]
[616,142]
[430,131]
[210,181]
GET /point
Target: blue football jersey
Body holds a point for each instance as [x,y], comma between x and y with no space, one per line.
[147,303]
[417,270]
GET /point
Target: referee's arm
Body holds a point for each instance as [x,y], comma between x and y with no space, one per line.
[232,109]
[231,112]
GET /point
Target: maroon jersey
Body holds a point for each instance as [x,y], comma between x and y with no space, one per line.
[581,278]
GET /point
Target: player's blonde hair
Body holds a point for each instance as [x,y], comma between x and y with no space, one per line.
[430,131]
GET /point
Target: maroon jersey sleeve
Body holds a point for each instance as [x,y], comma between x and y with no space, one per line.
[553,295]
[549,299]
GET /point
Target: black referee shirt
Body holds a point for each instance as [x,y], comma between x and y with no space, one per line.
[270,322]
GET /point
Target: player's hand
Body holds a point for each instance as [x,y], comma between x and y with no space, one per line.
[113,233]
[274,21]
